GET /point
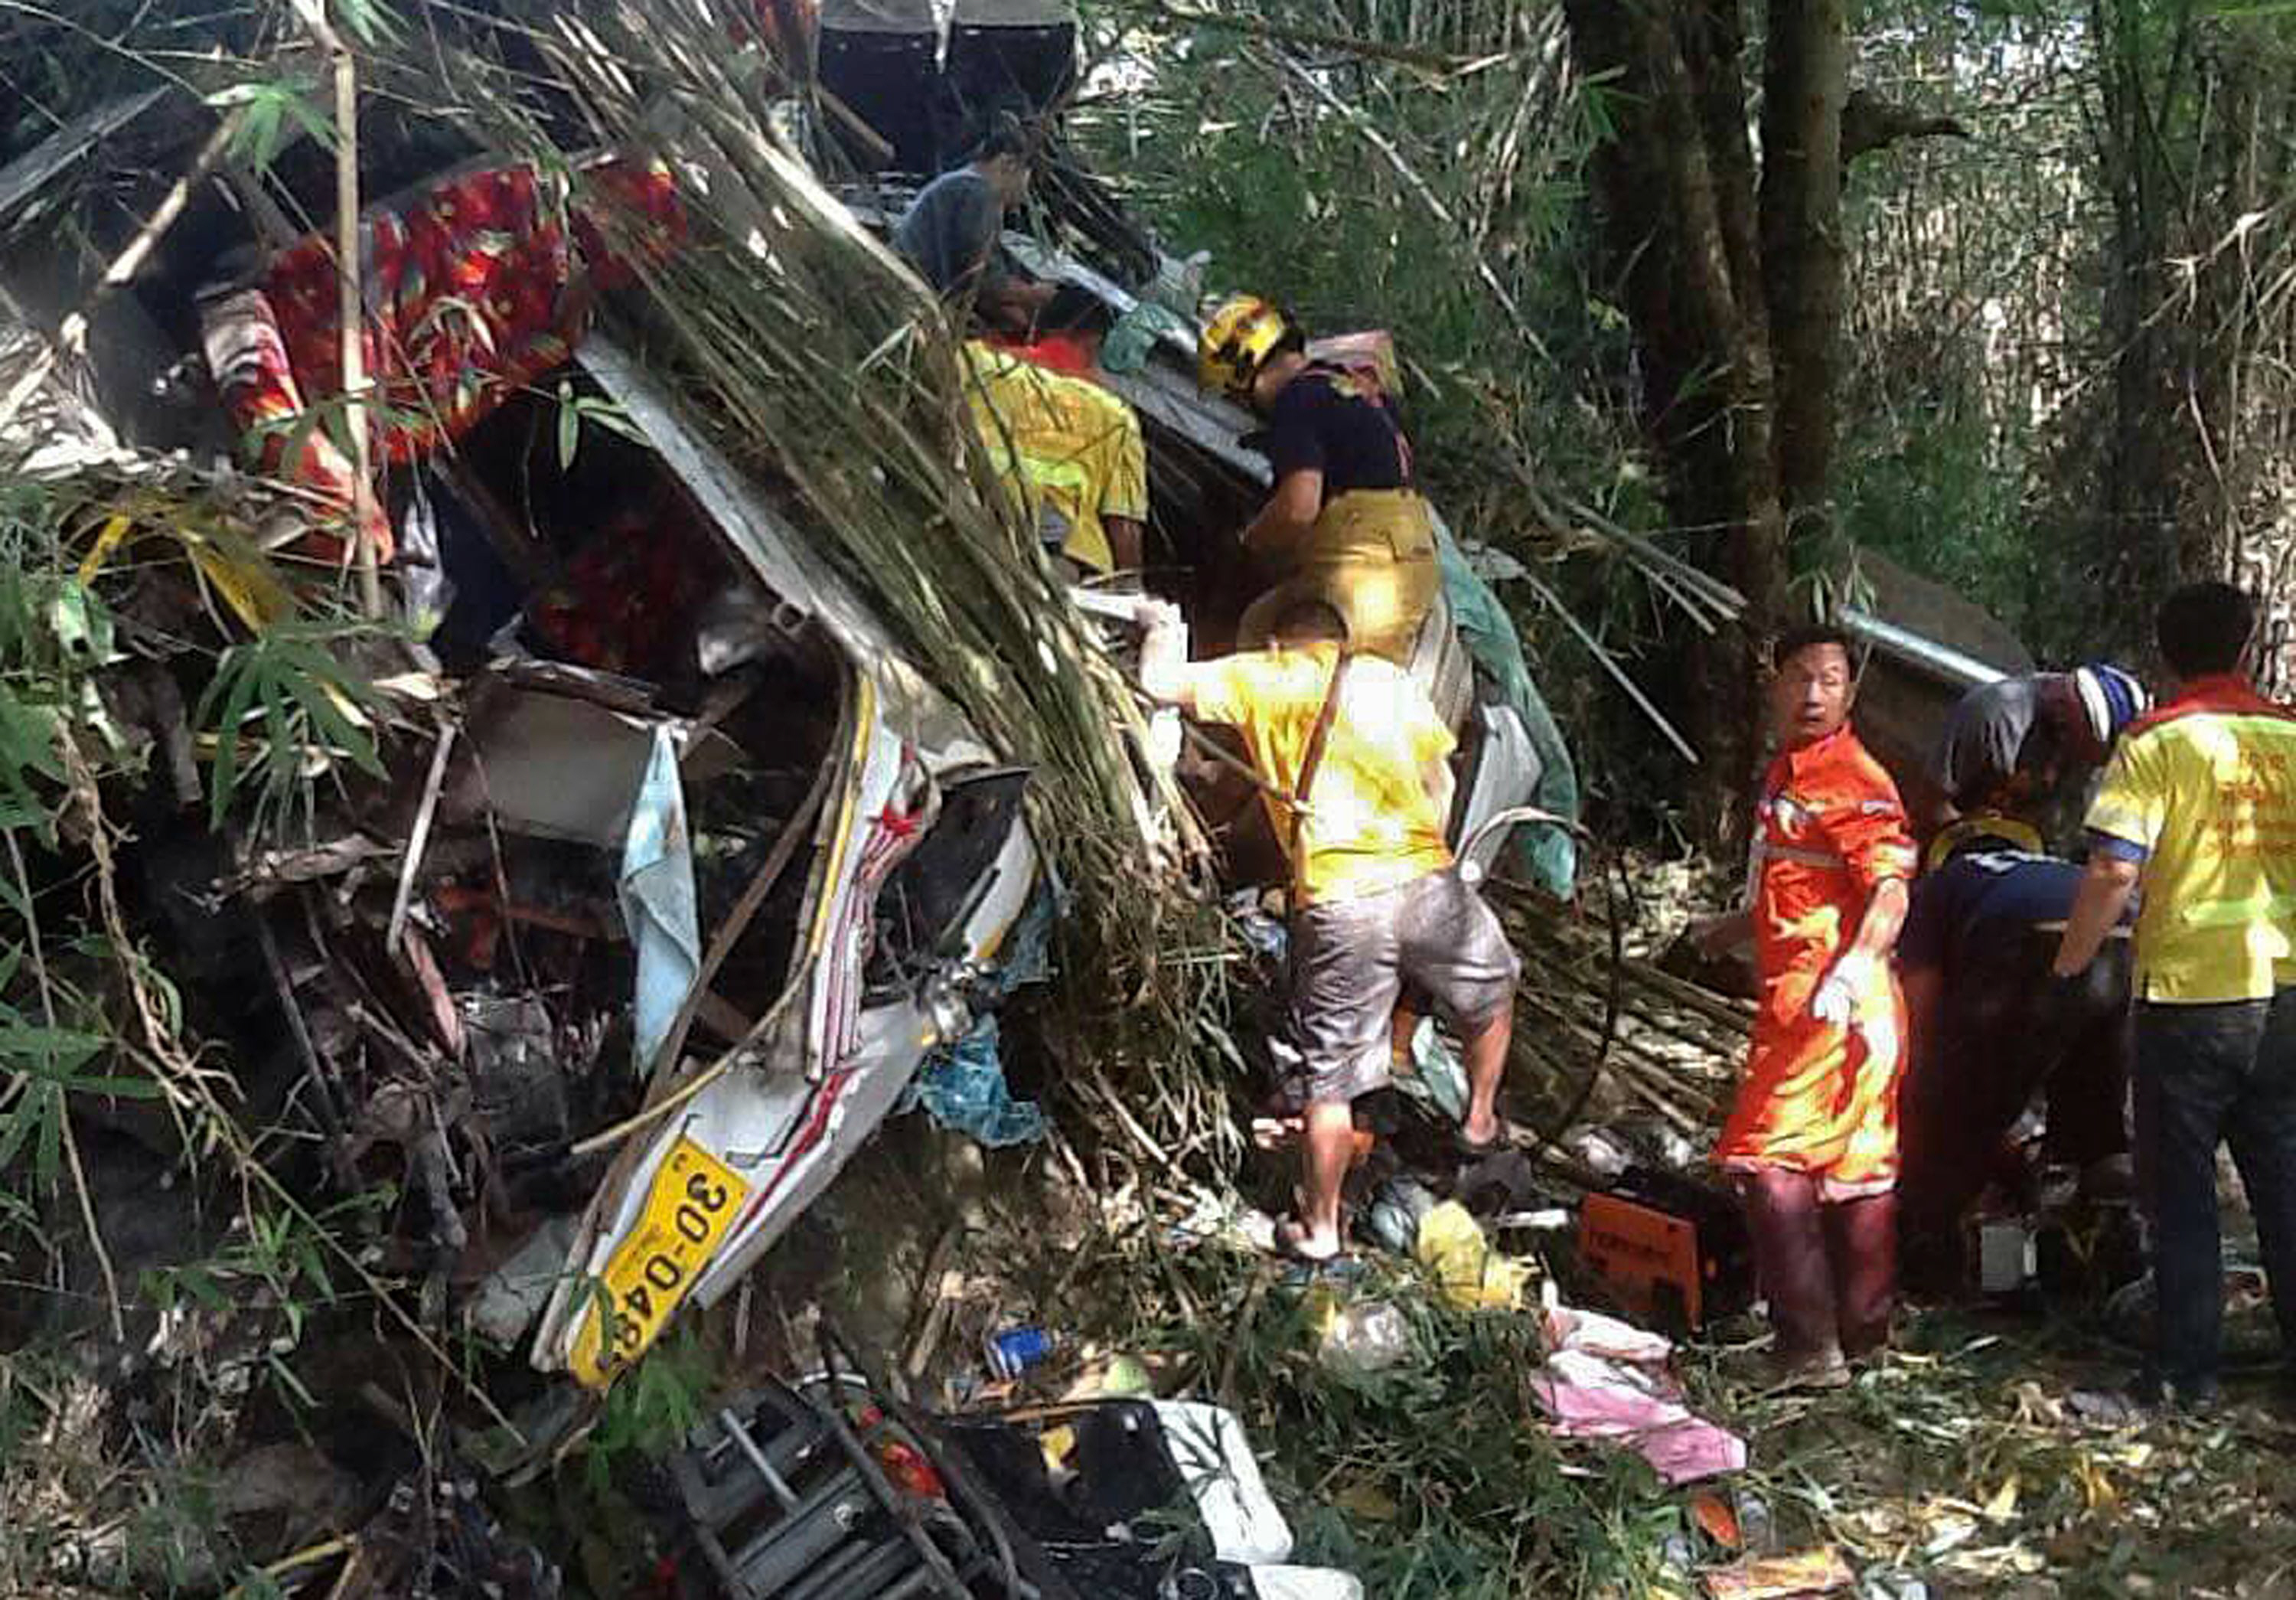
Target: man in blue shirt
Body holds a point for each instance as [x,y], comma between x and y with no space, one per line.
[1989,1026]
[952,232]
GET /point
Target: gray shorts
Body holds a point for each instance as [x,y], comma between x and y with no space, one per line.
[1351,959]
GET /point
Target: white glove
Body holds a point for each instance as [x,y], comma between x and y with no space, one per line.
[1835,1003]
[1151,614]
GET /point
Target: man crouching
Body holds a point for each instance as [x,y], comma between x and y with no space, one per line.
[1353,761]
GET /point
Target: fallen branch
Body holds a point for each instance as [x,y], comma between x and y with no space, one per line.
[38,953]
[71,336]
[420,838]
[1870,123]
[190,1088]
[1224,1392]
[737,921]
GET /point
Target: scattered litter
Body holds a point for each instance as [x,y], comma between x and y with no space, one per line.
[1606,1379]
[1948,1529]
[1547,1220]
[1599,1153]
[1471,1275]
[2101,1406]
[963,1089]
[511,1296]
[1592,1333]
[1755,1525]
[1017,1350]
[1370,1336]
[2008,1255]
[1819,1571]
[1223,1220]
[1503,1185]
[1717,1520]
[1592,1397]
[1437,1077]
[1266,936]
[1097,1484]
[1675,1150]
[1209,1447]
[1397,1208]
[1304,1583]
[1114,1378]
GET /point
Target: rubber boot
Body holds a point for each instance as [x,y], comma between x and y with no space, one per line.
[1785,1220]
[1861,1240]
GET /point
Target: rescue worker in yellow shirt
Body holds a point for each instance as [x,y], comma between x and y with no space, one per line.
[1346,522]
[1376,901]
[1071,450]
[2198,807]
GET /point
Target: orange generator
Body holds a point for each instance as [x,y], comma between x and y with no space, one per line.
[1673,1252]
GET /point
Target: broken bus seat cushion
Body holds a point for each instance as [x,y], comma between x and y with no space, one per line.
[474,288]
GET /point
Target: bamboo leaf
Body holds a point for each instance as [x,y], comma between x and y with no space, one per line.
[118,1088]
[48,1149]
[23,1121]
[235,685]
[47,1052]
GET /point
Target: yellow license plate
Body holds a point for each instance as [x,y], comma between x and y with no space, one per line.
[694,1201]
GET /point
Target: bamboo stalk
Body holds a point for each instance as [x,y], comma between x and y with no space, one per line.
[1664,1094]
[351,301]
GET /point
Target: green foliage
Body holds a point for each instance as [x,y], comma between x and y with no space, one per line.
[269,114]
[652,1408]
[54,633]
[45,1064]
[1433,1479]
[371,21]
[575,409]
[1933,493]
[312,710]
[1336,217]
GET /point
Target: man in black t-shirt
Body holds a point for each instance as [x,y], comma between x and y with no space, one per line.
[1345,524]
[1988,1026]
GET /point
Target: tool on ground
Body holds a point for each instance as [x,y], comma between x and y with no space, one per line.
[1672,1251]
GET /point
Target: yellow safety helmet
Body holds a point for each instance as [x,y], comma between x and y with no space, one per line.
[1238,342]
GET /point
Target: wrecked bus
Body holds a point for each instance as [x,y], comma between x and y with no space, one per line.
[687,868]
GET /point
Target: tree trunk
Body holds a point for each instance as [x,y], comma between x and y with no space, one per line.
[2144,469]
[1806,86]
[1676,187]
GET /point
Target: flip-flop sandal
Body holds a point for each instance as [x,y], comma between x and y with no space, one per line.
[1475,1151]
[1288,1244]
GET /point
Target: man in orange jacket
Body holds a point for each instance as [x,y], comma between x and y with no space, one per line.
[1813,1138]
